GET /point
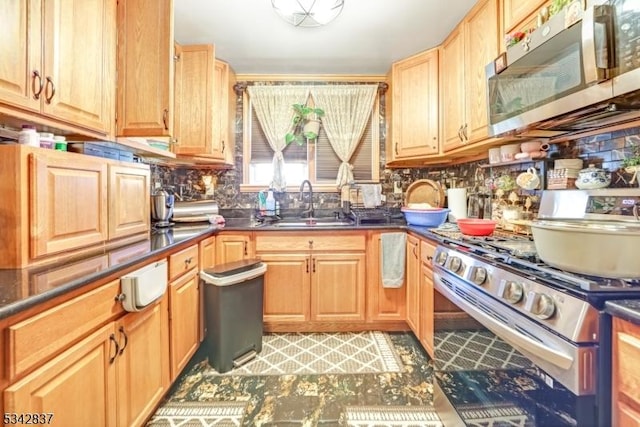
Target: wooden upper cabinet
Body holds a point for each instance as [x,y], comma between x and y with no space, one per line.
[224,113]
[145,68]
[465,53]
[516,11]
[194,99]
[128,200]
[68,203]
[414,95]
[59,61]
[21,53]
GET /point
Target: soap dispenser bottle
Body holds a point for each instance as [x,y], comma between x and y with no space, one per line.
[271,203]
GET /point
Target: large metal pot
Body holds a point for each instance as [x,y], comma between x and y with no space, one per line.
[597,248]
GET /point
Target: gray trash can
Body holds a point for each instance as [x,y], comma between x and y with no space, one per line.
[233,294]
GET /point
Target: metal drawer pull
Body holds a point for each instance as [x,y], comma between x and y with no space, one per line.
[36,93]
[53,90]
[165,118]
[126,339]
[112,338]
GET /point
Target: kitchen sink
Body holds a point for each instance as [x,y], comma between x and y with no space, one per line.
[315,222]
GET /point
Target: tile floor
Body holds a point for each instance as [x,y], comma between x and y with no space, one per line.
[311,399]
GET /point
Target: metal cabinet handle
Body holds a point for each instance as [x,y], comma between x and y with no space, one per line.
[126,339]
[187,262]
[112,338]
[307,261]
[48,98]
[464,132]
[396,148]
[165,118]
[36,76]
[429,258]
[314,265]
[460,133]
[223,145]
[415,252]
[245,248]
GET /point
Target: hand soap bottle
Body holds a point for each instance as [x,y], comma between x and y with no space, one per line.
[271,203]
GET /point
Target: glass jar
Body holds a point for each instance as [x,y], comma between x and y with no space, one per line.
[29,136]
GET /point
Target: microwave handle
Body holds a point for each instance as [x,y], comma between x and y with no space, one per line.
[597,43]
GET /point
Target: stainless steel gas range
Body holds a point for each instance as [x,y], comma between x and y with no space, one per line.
[549,321]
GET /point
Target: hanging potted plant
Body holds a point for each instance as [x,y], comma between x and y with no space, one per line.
[306,124]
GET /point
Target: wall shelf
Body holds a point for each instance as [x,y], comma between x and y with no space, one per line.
[513,162]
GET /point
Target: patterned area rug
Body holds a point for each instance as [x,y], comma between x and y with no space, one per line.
[323,353]
[472,350]
[391,416]
[199,414]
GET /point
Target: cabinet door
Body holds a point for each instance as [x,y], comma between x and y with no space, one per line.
[515,11]
[143,363]
[286,287]
[145,68]
[79,62]
[481,47]
[626,373]
[382,303]
[413,284]
[184,319]
[337,287]
[78,387]
[232,247]
[129,201]
[194,94]
[20,50]
[223,144]
[426,309]
[68,203]
[415,106]
[452,88]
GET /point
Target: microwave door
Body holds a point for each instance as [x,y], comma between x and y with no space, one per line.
[626,17]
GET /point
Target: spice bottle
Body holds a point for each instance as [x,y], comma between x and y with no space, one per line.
[29,136]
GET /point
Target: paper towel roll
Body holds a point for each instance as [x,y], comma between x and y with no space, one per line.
[457,202]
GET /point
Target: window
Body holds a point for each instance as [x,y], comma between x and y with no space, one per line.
[315,161]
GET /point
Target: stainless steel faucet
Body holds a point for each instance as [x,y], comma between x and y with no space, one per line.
[309,210]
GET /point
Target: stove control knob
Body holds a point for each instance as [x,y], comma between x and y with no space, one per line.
[441,258]
[455,264]
[541,305]
[511,291]
[479,275]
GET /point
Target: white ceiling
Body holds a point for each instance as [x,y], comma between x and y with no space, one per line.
[365,39]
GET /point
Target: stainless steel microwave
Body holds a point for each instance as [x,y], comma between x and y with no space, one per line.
[574,73]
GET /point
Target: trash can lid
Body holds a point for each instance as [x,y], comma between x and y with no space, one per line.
[231,268]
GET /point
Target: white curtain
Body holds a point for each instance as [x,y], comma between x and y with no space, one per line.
[272,105]
[347,109]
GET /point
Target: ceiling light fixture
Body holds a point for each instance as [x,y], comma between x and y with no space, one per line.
[308,13]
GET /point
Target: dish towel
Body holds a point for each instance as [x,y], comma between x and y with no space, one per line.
[392,256]
[371,195]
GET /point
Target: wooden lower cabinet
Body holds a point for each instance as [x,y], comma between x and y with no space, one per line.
[337,287]
[626,374]
[78,387]
[113,377]
[426,309]
[184,300]
[142,363]
[287,287]
[413,283]
[383,304]
[313,281]
[233,247]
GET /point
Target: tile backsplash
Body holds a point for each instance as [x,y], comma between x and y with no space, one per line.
[605,150]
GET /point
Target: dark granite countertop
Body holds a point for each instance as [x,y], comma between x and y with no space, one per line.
[627,309]
[21,289]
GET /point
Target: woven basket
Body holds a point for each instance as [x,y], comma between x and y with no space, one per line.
[425,191]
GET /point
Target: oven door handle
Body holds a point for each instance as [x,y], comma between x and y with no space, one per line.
[513,337]
[597,43]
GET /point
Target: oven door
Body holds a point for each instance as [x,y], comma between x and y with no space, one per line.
[571,365]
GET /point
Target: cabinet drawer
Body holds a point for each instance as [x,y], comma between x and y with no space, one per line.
[43,335]
[183,261]
[316,242]
[427,249]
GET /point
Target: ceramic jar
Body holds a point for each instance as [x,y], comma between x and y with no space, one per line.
[592,178]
